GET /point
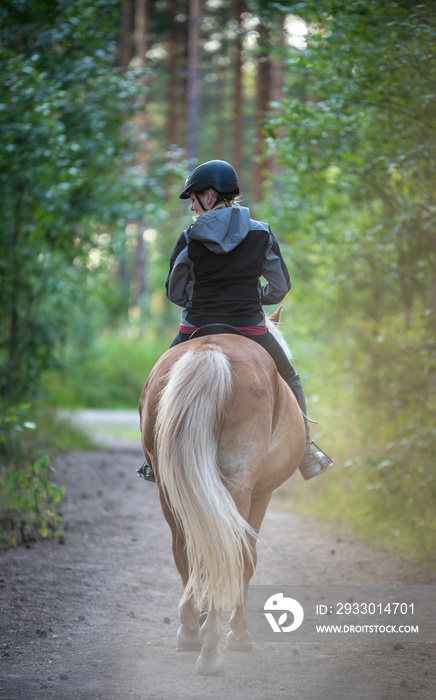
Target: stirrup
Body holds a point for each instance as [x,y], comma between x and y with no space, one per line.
[314,463]
[146,472]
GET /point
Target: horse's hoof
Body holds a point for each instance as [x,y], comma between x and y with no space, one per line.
[210,664]
[188,640]
[234,644]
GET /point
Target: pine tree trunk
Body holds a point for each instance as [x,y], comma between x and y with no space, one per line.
[173,81]
[141,50]
[220,123]
[192,104]
[141,29]
[172,94]
[126,44]
[278,80]
[238,118]
[125,54]
[262,99]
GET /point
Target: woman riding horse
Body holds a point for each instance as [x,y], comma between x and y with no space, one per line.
[215,271]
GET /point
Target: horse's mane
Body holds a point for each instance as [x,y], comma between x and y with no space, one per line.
[278,335]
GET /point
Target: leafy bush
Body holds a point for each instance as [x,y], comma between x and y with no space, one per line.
[32,498]
[27,495]
[12,425]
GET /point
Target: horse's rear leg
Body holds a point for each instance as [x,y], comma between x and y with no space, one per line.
[239,638]
[188,634]
[211,662]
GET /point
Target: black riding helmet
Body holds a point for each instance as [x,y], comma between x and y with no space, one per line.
[215,173]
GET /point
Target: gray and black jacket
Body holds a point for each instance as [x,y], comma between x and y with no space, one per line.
[215,270]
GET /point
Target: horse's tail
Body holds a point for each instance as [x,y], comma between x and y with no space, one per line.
[190,416]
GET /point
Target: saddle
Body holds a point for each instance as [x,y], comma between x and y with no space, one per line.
[215,329]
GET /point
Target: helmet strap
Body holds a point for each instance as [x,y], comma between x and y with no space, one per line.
[220,199]
[200,202]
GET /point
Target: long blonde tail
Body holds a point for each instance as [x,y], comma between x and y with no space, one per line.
[191,413]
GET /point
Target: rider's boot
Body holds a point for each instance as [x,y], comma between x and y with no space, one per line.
[314,462]
[146,472]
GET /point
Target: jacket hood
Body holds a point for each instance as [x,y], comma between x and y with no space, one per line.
[221,230]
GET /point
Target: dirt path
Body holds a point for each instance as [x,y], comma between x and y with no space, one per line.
[96,617]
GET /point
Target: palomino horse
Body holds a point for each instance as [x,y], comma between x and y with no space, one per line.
[221,430]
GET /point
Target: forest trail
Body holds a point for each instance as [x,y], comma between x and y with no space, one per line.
[95,618]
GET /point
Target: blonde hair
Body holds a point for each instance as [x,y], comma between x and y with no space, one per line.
[233,202]
[230,200]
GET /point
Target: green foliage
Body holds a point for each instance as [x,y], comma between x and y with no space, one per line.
[356,206]
[110,374]
[62,109]
[28,498]
[32,499]
[12,426]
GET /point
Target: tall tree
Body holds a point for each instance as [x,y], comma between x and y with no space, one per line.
[173,78]
[60,128]
[141,34]
[238,105]
[126,41]
[263,96]
[220,108]
[192,93]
